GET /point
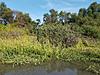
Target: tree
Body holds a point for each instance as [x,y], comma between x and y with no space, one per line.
[67,17]
[23,20]
[46,18]
[61,17]
[3,5]
[6,13]
[82,12]
[93,7]
[73,17]
[38,21]
[90,14]
[53,15]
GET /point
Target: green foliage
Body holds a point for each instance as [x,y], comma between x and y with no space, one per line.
[6,13]
[10,31]
[82,12]
[23,50]
[56,33]
[91,31]
[63,36]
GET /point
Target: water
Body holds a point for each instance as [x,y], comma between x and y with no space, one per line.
[51,68]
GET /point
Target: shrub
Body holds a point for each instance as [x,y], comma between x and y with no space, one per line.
[70,40]
[10,31]
[91,31]
[57,33]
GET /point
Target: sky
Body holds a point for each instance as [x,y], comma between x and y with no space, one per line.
[36,8]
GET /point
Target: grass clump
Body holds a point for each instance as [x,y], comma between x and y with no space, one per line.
[23,50]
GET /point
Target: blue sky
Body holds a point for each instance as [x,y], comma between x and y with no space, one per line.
[36,8]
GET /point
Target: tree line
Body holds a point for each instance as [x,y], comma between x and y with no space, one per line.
[13,16]
[84,15]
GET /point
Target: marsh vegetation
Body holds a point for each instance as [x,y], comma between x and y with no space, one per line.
[67,37]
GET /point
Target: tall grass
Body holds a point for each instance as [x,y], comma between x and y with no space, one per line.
[29,47]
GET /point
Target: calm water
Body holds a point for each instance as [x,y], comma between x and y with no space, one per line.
[51,68]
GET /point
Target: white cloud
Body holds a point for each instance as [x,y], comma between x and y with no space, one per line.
[65,5]
[48,4]
[77,0]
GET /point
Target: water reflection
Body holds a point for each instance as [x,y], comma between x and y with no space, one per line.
[51,68]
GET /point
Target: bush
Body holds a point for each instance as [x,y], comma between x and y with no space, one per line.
[57,33]
[91,31]
[70,40]
[10,31]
